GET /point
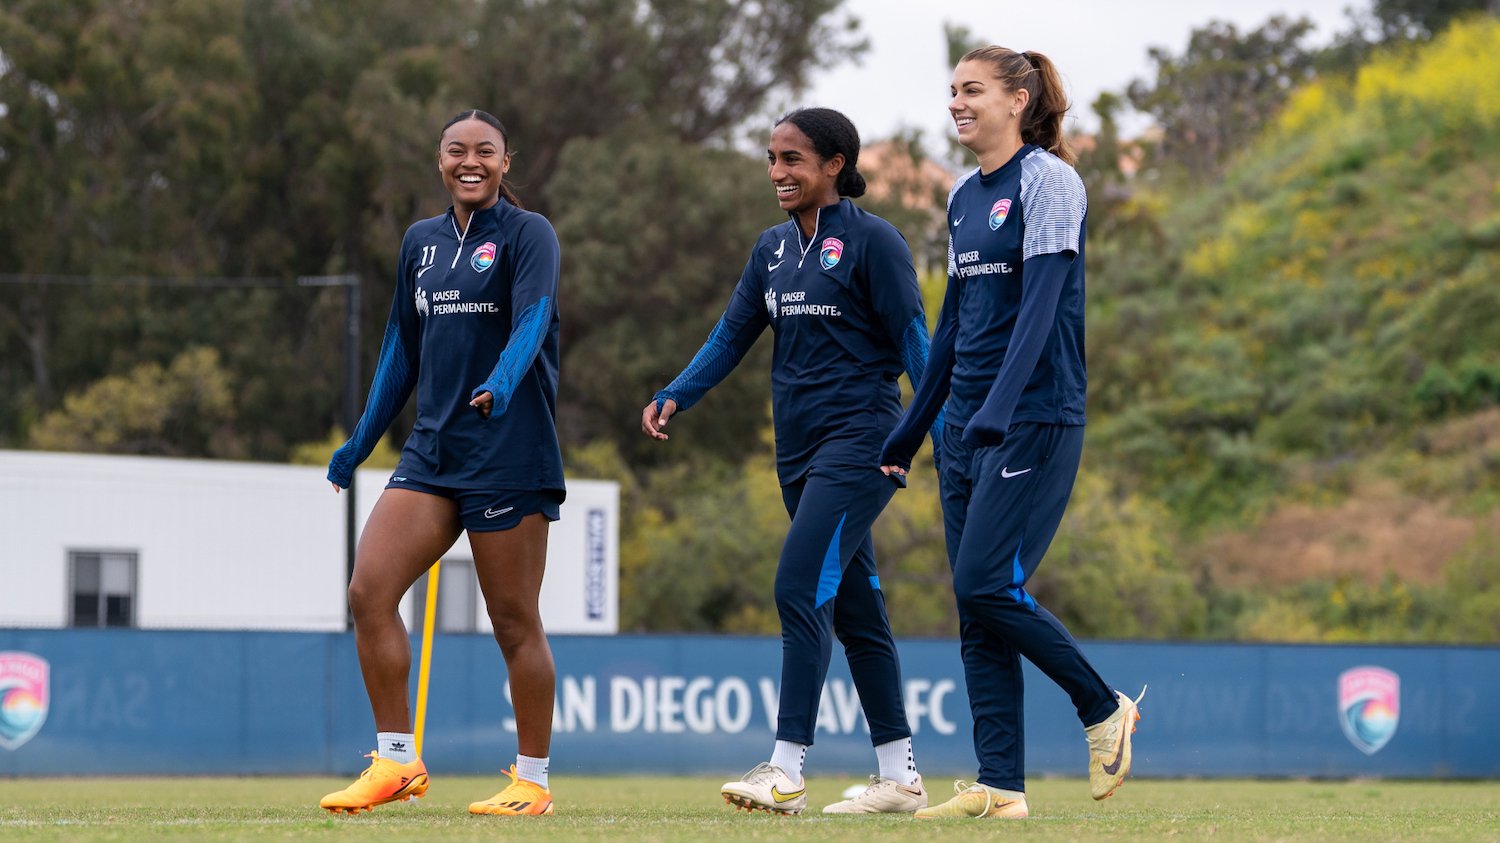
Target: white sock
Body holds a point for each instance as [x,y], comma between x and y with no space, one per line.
[532,769]
[400,747]
[789,757]
[896,761]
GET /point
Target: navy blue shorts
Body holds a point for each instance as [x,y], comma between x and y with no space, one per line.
[490,510]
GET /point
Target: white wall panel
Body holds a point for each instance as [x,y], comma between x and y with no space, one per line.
[226,545]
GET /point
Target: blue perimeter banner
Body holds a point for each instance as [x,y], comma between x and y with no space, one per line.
[77,702]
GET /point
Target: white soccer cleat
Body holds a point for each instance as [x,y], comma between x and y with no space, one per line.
[883,796]
[766,788]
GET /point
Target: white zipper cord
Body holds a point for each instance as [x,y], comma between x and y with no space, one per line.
[461,236]
[817,223]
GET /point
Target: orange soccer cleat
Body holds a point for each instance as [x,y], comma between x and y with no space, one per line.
[384,781]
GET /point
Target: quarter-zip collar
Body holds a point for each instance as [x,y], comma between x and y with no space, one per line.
[484,216]
[827,213]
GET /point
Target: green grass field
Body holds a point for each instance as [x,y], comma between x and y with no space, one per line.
[688,809]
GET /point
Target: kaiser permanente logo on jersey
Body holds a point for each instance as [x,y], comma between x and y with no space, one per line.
[448,302]
[1369,707]
[23,697]
[969,266]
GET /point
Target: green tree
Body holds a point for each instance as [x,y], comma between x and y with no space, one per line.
[638,298]
[687,69]
[233,138]
[1213,98]
[1405,20]
[103,149]
[186,409]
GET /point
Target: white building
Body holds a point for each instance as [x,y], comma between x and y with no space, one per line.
[155,543]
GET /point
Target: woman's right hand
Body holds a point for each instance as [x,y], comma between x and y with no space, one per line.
[654,419]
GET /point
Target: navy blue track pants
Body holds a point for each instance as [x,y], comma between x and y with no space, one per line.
[1001,508]
[826,583]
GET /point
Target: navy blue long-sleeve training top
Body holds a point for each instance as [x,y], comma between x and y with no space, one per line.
[474,311]
[1009,342]
[847,316]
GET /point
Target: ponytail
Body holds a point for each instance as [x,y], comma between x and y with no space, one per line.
[509,195]
[1042,121]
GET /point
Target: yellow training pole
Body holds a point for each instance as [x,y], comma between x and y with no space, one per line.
[429,617]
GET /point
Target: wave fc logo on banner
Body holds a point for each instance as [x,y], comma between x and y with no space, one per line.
[484,257]
[23,697]
[1369,706]
[998,214]
[833,249]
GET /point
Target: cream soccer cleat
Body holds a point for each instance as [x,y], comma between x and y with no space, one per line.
[766,788]
[977,801]
[883,796]
[384,781]
[1109,746]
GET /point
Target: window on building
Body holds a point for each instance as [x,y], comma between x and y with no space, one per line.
[457,599]
[103,588]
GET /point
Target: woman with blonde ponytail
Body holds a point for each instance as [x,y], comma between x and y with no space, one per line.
[1008,359]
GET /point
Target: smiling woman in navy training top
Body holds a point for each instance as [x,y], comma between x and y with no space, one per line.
[1008,357]
[837,287]
[473,330]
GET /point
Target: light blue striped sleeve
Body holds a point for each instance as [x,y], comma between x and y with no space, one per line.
[1054,203]
[520,352]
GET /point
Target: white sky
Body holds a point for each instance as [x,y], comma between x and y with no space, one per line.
[1098,45]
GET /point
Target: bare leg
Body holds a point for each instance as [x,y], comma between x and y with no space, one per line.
[406,533]
[510,564]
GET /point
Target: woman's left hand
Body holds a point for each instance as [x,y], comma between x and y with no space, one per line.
[484,402]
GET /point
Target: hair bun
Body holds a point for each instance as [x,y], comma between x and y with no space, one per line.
[851,183]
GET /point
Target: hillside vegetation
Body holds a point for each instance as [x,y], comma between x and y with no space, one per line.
[1306,375]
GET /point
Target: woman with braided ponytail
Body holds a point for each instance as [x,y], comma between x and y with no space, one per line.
[836,286]
[1008,358]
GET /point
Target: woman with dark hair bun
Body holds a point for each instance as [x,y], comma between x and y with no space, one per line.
[1008,359]
[836,286]
[473,331]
